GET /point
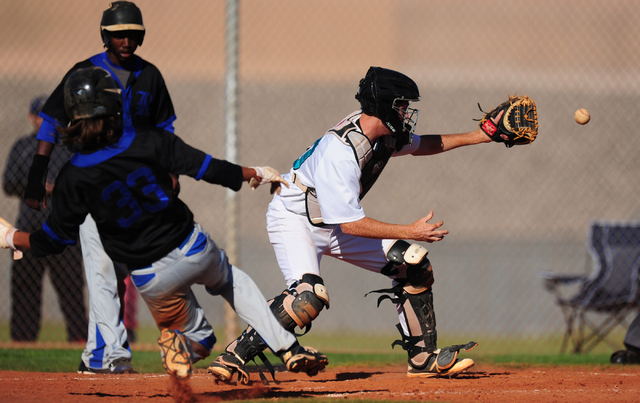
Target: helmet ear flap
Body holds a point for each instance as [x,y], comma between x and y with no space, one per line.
[106,40]
[364,104]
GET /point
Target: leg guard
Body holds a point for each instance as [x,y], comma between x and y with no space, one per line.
[237,354]
[413,273]
[301,303]
[297,306]
[425,359]
[420,322]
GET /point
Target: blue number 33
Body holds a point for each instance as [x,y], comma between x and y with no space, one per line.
[127,200]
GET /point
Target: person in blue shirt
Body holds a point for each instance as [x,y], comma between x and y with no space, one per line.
[146,102]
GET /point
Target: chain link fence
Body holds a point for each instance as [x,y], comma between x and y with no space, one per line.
[511,213]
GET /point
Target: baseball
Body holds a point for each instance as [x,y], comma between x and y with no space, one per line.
[582,116]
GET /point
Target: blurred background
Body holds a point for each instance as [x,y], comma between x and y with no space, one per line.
[511,213]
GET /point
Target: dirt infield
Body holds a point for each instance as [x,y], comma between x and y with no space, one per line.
[482,383]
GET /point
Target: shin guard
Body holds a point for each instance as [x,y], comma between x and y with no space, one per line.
[420,322]
[412,271]
[297,306]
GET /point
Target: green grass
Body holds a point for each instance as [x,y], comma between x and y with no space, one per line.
[67,360]
[342,349]
[371,343]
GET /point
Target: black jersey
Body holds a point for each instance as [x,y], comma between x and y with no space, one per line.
[127,190]
[146,100]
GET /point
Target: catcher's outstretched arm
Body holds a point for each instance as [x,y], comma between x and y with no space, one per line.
[431,144]
[420,230]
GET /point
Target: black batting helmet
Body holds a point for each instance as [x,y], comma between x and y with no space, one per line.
[90,93]
[121,16]
[385,93]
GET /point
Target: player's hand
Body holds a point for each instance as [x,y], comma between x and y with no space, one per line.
[49,187]
[35,195]
[176,184]
[482,135]
[423,231]
[267,175]
[35,191]
[498,118]
[35,204]
[6,238]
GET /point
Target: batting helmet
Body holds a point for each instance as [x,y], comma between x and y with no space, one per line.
[121,16]
[387,94]
[90,93]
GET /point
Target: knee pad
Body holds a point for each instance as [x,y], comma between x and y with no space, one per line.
[410,265]
[301,303]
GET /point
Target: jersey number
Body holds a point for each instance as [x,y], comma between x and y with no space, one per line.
[127,200]
[298,163]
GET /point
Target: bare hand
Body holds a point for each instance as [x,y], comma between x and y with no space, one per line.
[176,184]
[35,204]
[498,118]
[423,231]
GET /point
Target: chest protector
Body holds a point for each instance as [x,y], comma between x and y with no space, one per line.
[371,158]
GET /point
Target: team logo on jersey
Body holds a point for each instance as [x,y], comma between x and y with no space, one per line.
[144,103]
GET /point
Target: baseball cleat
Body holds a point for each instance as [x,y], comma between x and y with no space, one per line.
[175,355]
[225,366]
[304,359]
[625,357]
[117,366]
[431,370]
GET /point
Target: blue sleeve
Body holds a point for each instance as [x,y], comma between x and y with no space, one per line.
[47,130]
[168,124]
[45,242]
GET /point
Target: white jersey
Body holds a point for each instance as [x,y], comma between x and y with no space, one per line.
[330,166]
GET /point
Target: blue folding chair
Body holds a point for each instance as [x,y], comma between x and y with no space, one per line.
[610,290]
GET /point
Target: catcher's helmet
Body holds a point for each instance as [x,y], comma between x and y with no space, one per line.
[387,95]
[91,93]
[121,16]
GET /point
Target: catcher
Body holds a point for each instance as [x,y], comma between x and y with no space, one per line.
[320,214]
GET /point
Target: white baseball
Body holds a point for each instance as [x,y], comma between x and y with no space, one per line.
[582,116]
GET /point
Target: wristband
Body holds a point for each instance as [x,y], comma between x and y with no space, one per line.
[35,189]
[259,172]
[9,238]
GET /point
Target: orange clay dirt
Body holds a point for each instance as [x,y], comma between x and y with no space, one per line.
[482,383]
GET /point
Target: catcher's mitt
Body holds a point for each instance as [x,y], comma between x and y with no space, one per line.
[517,126]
